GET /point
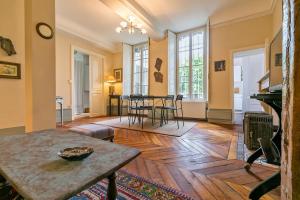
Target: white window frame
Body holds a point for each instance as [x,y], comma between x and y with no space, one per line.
[141,45]
[205,84]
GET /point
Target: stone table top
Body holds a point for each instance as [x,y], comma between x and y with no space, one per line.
[31,164]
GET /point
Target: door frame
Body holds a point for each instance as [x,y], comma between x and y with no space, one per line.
[90,53]
[231,64]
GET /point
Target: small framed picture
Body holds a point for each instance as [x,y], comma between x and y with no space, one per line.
[118,74]
[10,70]
[220,65]
[278,59]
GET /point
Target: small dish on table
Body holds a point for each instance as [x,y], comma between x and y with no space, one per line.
[75,153]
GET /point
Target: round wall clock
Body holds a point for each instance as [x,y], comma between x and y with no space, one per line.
[44,30]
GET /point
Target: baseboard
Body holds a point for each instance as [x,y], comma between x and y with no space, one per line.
[13,130]
[193,119]
[223,116]
[67,115]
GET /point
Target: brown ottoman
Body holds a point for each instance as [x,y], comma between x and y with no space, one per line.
[95,131]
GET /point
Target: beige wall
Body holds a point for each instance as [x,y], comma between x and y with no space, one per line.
[12,101]
[224,39]
[64,42]
[158,49]
[40,66]
[29,101]
[277,17]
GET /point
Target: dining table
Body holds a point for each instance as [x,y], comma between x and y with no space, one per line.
[30,163]
[155,98]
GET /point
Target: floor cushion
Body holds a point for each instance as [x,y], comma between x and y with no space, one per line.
[95,131]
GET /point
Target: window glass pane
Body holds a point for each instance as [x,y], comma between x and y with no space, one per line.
[140,69]
[145,66]
[197,65]
[184,69]
[191,73]
[137,53]
[136,70]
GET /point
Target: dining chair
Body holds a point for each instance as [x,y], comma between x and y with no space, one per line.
[124,98]
[174,107]
[134,107]
[147,105]
[165,102]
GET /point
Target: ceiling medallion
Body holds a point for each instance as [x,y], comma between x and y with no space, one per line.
[131,26]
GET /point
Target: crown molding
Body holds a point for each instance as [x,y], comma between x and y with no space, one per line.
[248,17]
[72,28]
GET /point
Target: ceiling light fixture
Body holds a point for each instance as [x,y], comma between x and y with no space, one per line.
[131,26]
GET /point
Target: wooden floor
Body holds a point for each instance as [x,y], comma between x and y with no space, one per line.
[203,163]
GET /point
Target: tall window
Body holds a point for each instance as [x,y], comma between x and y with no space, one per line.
[140,69]
[191,62]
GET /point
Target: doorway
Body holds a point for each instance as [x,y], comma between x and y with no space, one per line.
[248,69]
[87,84]
[82,86]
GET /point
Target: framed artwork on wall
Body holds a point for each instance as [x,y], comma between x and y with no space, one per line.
[10,70]
[220,66]
[118,74]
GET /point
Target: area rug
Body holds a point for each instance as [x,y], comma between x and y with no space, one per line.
[167,129]
[132,187]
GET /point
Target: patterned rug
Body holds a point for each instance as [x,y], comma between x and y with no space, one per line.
[132,187]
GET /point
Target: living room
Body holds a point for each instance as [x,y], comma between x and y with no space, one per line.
[193,94]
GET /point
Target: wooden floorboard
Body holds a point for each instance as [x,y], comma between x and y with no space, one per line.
[205,163]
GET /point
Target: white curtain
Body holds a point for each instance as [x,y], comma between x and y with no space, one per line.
[127,66]
[171,63]
[79,65]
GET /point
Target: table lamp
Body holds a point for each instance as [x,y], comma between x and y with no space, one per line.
[111,80]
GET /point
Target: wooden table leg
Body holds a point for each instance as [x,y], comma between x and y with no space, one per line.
[119,104]
[110,113]
[5,189]
[112,187]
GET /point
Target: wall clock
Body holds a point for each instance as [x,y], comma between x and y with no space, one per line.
[44,30]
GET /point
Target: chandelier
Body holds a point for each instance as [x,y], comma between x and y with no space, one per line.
[131,26]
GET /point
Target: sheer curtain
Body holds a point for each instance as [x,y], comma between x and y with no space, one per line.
[79,65]
[171,63]
[127,65]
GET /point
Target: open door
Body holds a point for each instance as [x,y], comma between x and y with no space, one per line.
[97,104]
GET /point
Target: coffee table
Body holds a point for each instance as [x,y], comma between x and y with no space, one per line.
[29,162]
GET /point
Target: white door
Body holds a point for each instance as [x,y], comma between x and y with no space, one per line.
[253,70]
[97,104]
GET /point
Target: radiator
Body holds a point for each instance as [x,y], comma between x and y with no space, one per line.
[257,125]
[194,109]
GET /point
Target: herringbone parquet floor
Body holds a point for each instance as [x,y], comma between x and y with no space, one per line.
[203,163]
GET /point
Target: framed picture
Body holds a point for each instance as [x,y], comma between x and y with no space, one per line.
[118,74]
[278,59]
[10,70]
[220,65]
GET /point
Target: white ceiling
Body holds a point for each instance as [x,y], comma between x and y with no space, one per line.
[96,20]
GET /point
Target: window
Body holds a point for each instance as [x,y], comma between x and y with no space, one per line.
[191,61]
[140,69]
